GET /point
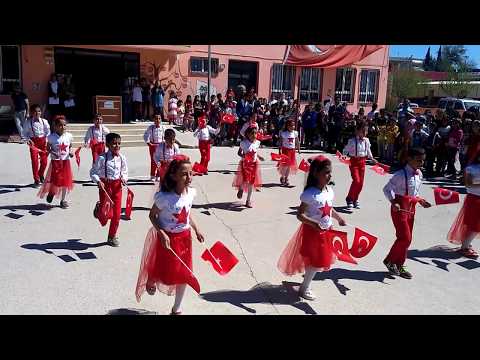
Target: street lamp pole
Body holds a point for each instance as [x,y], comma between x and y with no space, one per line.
[209,71]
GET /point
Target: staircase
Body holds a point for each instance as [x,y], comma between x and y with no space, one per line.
[132,134]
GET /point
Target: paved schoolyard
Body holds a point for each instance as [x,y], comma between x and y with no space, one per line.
[55,261]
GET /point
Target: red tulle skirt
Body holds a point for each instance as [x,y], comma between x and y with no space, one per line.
[160,268]
[291,164]
[248,173]
[59,177]
[467,220]
[308,247]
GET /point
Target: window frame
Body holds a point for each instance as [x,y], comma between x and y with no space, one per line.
[352,85]
[215,64]
[19,59]
[309,92]
[364,100]
[274,90]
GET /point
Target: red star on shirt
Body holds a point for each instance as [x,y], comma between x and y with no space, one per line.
[181,216]
[325,210]
[63,147]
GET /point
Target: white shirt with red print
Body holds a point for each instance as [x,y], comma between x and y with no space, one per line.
[60,145]
[175,210]
[288,139]
[319,205]
[250,149]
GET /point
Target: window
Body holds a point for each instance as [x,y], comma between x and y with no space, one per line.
[200,65]
[458,106]
[282,80]
[344,84]
[9,68]
[368,86]
[310,85]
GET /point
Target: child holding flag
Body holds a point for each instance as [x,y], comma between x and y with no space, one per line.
[95,137]
[166,262]
[402,191]
[204,140]
[153,136]
[289,141]
[309,250]
[109,172]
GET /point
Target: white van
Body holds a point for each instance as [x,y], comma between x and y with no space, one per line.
[457,104]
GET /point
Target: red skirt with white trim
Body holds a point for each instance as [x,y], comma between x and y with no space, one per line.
[467,220]
[160,268]
[308,247]
[248,173]
[291,164]
[59,177]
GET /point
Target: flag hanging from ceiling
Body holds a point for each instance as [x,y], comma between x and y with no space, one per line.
[327,56]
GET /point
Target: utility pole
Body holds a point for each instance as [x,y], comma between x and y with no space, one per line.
[209,71]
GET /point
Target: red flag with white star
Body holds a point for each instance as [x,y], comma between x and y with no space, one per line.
[77,156]
[223,260]
[363,243]
[129,204]
[304,166]
[339,244]
[445,196]
[228,118]
[279,157]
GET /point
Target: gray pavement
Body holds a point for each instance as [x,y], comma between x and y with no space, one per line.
[55,261]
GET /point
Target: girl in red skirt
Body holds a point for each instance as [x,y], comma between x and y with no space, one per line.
[59,180]
[248,172]
[172,222]
[204,140]
[308,250]
[288,143]
[467,224]
[95,137]
[358,148]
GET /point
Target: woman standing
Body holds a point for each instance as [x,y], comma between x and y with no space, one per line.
[158,94]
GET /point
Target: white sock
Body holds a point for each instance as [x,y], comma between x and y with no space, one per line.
[250,191]
[179,293]
[468,241]
[308,277]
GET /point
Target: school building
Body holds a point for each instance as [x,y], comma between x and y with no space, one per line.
[103,70]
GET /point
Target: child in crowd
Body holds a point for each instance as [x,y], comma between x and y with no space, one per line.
[95,137]
[289,141]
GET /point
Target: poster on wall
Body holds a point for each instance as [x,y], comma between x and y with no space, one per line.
[202,88]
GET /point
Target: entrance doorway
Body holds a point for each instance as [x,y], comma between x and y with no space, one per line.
[96,73]
[242,73]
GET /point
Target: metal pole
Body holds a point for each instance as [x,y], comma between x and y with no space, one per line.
[209,71]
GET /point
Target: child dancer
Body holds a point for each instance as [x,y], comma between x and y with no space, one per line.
[248,173]
[289,141]
[153,137]
[358,148]
[109,172]
[95,137]
[171,232]
[402,191]
[308,250]
[59,175]
[204,140]
[36,129]
[165,152]
[467,225]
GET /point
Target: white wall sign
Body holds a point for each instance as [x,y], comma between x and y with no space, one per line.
[108,105]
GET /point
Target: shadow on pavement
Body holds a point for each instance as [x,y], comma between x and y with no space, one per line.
[263,293]
[439,253]
[230,206]
[12,186]
[70,244]
[128,311]
[224,172]
[271,185]
[338,274]
[35,207]
[343,209]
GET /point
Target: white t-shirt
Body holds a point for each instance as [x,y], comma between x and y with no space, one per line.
[319,205]
[396,184]
[288,139]
[474,172]
[174,210]
[248,147]
[60,145]
[164,153]
[204,134]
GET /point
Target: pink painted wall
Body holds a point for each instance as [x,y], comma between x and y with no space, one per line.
[174,68]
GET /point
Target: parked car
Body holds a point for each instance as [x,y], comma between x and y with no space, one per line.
[457,104]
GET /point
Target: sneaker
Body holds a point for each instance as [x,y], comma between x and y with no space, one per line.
[36,184]
[404,272]
[240,194]
[49,198]
[113,242]
[392,268]
[356,205]
[282,180]
[64,204]
[151,289]
[469,253]
[152,178]
[307,294]
[349,205]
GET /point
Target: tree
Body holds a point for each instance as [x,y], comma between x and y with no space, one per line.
[404,83]
[453,57]
[458,83]
[428,64]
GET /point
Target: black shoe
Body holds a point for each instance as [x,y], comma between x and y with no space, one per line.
[64,204]
[95,211]
[404,273]
[42,179]
[113,242]
[36,184]
[392,268]
[49,198]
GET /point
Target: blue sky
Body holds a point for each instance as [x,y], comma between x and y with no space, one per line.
[419,51]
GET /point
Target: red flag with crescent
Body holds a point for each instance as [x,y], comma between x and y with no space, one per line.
[363,243]
[445,196]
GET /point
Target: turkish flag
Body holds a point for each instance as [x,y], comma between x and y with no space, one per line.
[261,137]
[77,156]
[304,166]
[129,204]
[363,243]
[379,170]
[105,212]
[279,157]
[384,167]
[228,118]
[199,168]
[339,243]
[445,196]
[221,256]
